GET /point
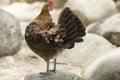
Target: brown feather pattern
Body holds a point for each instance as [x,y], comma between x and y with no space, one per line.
[46,39]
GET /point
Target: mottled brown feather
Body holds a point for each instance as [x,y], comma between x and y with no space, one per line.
[47,39]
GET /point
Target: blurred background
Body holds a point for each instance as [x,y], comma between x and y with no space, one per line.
[100,17]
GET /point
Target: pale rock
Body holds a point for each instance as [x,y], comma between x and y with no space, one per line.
[53,76]
[109,28]
[10,34]
[24,11]
[105,67]
[93,10]
[92,46]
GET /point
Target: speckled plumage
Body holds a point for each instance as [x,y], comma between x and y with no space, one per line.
[47,39]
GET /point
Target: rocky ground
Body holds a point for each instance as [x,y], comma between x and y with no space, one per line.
[97,58]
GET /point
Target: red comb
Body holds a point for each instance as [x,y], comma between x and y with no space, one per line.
[50,1]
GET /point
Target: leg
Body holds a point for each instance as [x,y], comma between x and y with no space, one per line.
[47,69]
[54,70]
[55,64]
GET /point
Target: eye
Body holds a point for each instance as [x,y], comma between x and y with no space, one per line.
[47,6]
[50,6]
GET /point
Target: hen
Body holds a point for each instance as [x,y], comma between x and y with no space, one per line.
[47,39]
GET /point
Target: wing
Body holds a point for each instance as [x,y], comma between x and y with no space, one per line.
[70,29]
[38,31]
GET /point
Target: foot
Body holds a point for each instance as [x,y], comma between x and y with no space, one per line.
[42,73]
[53,71]
[45,73]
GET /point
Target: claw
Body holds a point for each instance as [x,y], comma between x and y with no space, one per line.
[43,74]
[54,71]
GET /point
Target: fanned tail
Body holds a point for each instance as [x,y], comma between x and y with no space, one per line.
[70,29]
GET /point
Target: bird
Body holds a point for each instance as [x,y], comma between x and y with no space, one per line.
[47,39]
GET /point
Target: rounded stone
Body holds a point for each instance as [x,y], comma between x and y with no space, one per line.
[10,34]
[109,28]
[92,46]
[105,67]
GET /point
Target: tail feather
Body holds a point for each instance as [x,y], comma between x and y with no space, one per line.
[70,37]
[70,31]
[77,39]
[81,30]
[66,18]
[63,14]
[71,26]
[70,23]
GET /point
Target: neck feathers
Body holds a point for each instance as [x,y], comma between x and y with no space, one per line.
[44,12]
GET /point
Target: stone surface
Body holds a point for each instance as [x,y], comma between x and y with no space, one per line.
[105,67]
[109,28]
[53,76]
[93,10]
[92,46]
[10,35]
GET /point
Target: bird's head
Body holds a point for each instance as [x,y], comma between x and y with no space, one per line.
[49,6]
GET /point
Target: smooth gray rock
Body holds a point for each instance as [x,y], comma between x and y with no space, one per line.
[105,67]
[92,46]
[109,28]
[10,35]
[53,76]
